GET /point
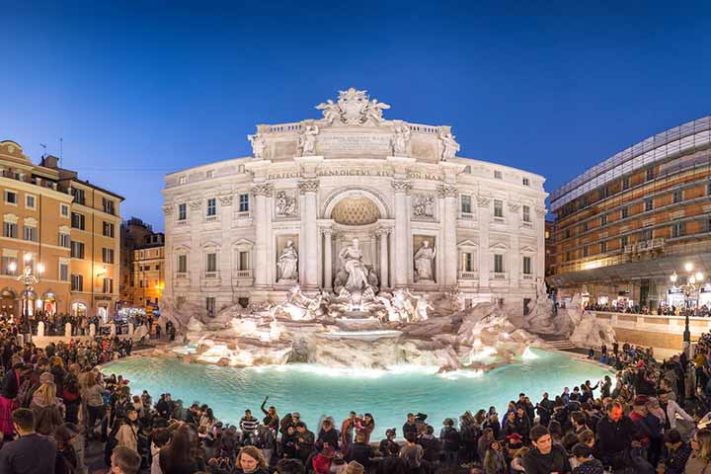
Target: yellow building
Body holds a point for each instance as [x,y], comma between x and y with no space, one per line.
[63,229]
[149,271]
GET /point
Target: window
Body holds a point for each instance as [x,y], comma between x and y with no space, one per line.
[182,180]
[64,210]
[77,282]
[645,235]
[182,263]
[78,221]
[30,201]
[497,175]
[77,249]
[7,263]
[584,227]
[586,251]
[79,197]
[211,207]
[526,214]
[603,220]
[648,204]
[678,229]
[9,229]
[108,286]
[107,255]
[498,263]
[63,271]
[677,195]
[108,205]
[108,229]
[624,212]
[210,305]
[466,201]
[468,262]
[244,260]
[526,182]
[603,247]
[498,208]
[568,256]
[626,182]
[526,265]
[623,241]
[567,233]
[708,187]
[650,174]
[29,233]
[243,202]
[11,197]
[211,262]
[182,211]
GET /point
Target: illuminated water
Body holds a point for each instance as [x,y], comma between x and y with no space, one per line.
[389,396]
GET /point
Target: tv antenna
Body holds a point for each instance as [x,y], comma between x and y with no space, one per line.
[44,147]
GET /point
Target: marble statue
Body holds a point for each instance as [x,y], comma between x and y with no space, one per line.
[288,262]
[422,306]
[258,145]
[351,258]
[398,142]
[353,107]
[307,140]
[449,145]
[424,257]
[285,204]
[402,304]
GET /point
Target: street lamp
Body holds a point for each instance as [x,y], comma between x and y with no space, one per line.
[28,278]
[688,288]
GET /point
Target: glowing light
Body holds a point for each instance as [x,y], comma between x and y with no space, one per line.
[12,266]
[674,277]
[688,267]
[40,268]
[27,258]
[592,265]
[699,276]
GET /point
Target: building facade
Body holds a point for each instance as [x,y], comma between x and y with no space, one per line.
[626,225]
[248,229]
[62,230]
[148,268]
[133,235]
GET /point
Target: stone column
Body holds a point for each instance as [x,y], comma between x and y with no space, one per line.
[383,234]
[449,223]
[402,237]
[261,217]
[309,240]
[540,227]
[485,257]
[515,258]
[327,258]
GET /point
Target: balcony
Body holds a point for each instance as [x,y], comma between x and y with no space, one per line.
[499,276]
[242,277]
[210,280]
[468,275]
[243,273]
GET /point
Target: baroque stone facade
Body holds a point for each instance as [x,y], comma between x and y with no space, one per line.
[312,187]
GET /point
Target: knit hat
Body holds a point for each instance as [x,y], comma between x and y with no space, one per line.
[354,467]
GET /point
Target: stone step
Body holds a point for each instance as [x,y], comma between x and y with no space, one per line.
[562,344]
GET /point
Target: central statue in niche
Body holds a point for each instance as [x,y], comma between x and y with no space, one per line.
[355,278]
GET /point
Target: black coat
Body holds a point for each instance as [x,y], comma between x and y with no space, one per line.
[9,385]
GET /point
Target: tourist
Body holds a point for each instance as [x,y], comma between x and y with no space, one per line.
[321,463]
[545,457]
[127,461]
[365,426]
[67,460]
[672,410]
[271,419]
[700,460]
[614,437]
[290,466]
[159,438]
[409,427]
[678,453]
[8,392]
[388,446]
[45,406]
[412,453]
[304,442]
[92,395]
[30,453]
[494,462]
[327,436]
[181,454]
[449,436]
[127,434]
[360,451]
[250,460]
[585,462]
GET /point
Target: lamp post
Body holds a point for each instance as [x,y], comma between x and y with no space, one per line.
[28,278]
[689,287]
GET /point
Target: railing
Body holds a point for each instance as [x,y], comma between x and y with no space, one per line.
[499,276]
[284,127]
[468,275]
[243,273]
[467,216]
[211,274]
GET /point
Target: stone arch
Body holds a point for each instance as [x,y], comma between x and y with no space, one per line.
[341,194]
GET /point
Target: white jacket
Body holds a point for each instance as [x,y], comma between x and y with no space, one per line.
[673,409]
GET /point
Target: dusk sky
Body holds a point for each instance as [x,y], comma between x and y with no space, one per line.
[140,89]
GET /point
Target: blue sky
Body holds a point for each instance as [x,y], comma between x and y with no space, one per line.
[139,89]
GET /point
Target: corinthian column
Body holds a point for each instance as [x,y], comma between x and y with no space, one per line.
[484,256]
[402,220]
[261,193]
[383,234]
[309,226]
[449,247]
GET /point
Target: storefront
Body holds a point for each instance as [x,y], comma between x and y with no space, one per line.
[78,309]
[8,303]
[705,295]
[675,297]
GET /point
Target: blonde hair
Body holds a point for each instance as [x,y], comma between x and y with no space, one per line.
[56,361]
[254,453]
[46,393]
[704,438]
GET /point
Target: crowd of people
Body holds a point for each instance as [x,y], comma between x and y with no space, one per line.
[702,311]
[56,406]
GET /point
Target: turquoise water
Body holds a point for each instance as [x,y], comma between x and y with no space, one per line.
[389,396]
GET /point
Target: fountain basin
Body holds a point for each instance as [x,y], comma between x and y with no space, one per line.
[362,335]
[388,394]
